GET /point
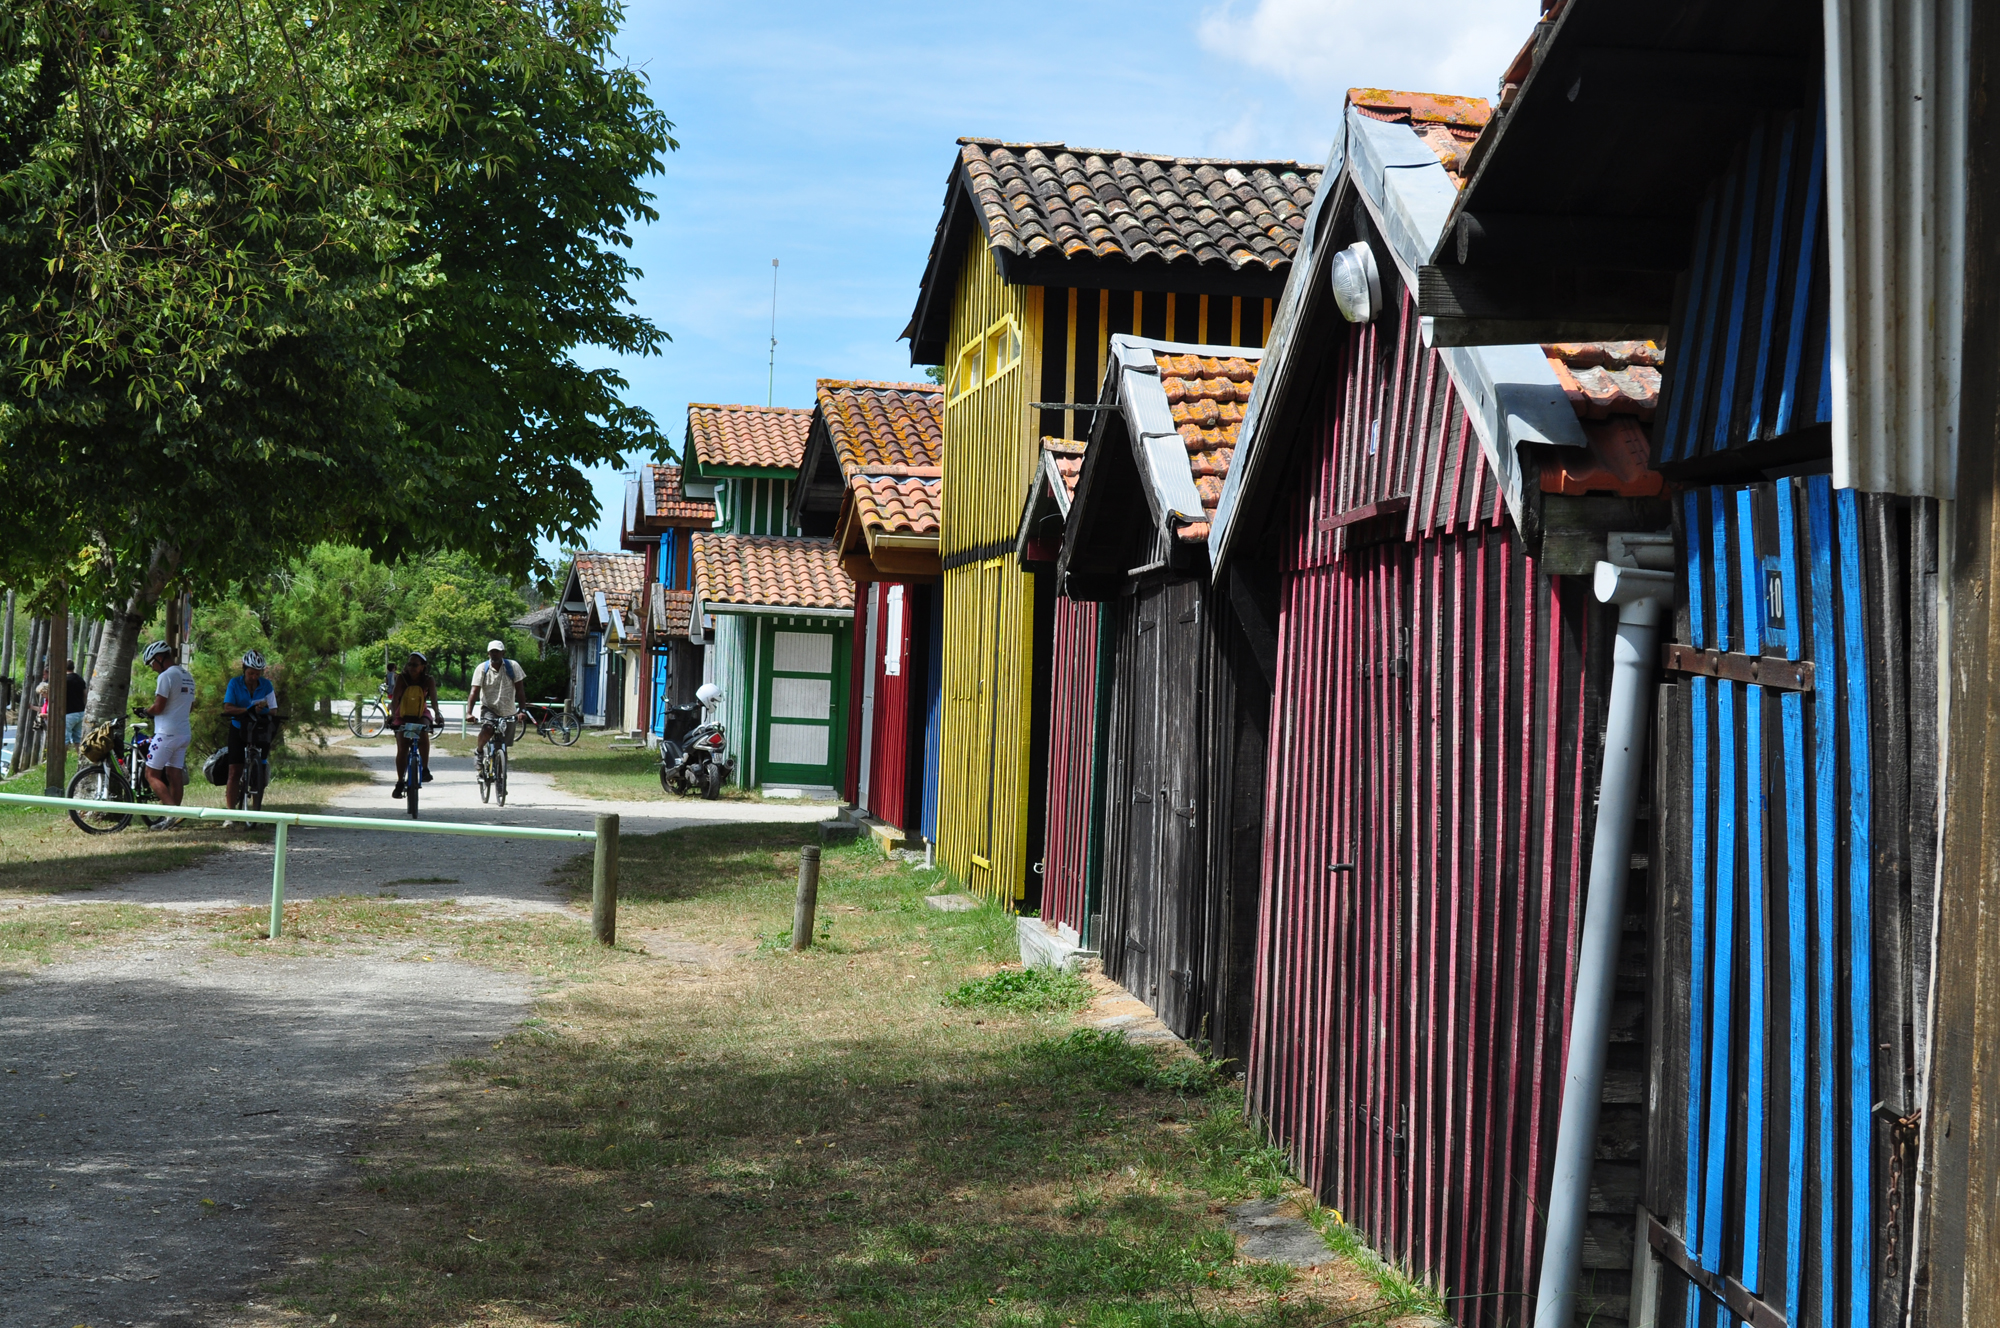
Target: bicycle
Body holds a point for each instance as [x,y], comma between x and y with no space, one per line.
[493,760]
[108,778]
[561,728]
[257,758]
[370,716]
[415,769]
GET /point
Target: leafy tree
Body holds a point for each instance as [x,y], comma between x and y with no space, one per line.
[272,275]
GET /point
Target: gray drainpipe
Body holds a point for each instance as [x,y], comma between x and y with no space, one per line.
[1642,597]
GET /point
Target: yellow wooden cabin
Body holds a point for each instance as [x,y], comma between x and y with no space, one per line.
[1042,253]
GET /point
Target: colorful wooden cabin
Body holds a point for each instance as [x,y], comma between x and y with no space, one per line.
[1810,1159]
[1426,521]
[1176,802]
[872,481]
[601,625]
[770,603]
[1043,251]
[661,517]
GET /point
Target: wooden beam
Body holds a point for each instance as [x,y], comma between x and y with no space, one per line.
[1653,78]
[1532,298]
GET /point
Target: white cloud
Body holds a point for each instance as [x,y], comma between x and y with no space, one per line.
[1323,47]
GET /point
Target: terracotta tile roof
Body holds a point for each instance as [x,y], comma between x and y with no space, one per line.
[1038,199]
[767,437]
[892,505]
[673,611]
[618,576]
[1606,378]
[1614,387]
[787,571]
[884,428]
[1447,125]
[671,503]
[1067,455]
[1206,394]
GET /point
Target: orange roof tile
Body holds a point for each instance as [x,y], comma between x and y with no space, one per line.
[670,501]
[764,437]
[1606,378]
[1050,198]
[780,570]
[617,576]
[884,428]
[1206,394]
[893,505]
[1447,125]
[673,611]
[1068,455]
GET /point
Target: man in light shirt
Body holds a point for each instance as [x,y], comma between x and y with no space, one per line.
[173,699]
[496,691]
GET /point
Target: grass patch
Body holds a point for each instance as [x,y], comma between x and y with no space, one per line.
[43,934]
[814,1137]
[1024,990]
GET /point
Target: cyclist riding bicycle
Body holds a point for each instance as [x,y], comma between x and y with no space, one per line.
[173,699]
[496,689]
[413,697]
[251,691]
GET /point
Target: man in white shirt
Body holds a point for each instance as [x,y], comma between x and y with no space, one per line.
[496,690]
[173,700]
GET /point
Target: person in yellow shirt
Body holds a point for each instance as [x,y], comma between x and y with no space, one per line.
[413,698]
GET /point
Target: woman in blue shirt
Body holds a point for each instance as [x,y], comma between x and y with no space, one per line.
[245,693]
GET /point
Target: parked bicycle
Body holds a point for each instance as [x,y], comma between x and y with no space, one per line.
[115,775]
[560,726]
[493,762]
[257,743]
[370,716]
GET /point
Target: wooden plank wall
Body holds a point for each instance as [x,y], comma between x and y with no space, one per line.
[1072,796]
[1794,949]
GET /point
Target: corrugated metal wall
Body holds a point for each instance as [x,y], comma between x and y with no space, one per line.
[1072,763]
[1898,93]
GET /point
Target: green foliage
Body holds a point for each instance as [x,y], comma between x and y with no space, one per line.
[274,274]
[1025,991]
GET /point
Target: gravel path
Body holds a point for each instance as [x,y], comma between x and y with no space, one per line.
[158,1099]
[509,875]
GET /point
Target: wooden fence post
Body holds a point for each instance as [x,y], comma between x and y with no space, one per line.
[808,901]
[604,881]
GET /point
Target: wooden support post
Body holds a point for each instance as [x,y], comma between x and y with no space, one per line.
[604,882]
[808,901]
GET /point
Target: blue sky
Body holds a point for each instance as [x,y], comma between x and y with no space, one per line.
[821,135]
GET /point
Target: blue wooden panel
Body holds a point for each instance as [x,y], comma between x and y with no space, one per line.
[1698,961]
[1682,404]
[1750,567]
[1826,958]
[933,709]
[1860,925]
[1774,266]
[1713,325]
[1739,291]
[1721,983]
[1797,894]
[1802,282]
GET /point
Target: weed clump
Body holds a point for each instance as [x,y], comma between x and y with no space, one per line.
[1111,1062]
[1025,991]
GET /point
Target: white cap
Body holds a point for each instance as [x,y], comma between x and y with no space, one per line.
[496,645]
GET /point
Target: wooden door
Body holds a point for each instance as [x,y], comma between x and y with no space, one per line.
[1139,928]
[1181,862]
[802,738]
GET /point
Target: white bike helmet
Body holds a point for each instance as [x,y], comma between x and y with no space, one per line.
[253,659]
[708,693]
[154,651]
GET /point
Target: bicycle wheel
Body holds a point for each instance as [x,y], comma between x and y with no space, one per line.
[368,719]
[254,781]
[100,783]
[484,774]
[565,729]
[500,775]
[415,781]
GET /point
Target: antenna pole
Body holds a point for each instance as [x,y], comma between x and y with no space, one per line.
[771,379]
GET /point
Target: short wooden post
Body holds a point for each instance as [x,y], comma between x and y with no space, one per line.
[808,901]
[604,882]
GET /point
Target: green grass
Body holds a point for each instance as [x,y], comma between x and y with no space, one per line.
[43,934]
[1026,990]
[810,1137]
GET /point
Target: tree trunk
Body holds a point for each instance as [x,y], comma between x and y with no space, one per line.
[7,660]
[111,678]
[24,731]
[57,775]
[96,644]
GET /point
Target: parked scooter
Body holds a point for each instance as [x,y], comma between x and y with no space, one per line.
[695,760]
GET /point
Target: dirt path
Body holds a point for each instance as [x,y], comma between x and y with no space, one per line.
[158,1100]
[507,875]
